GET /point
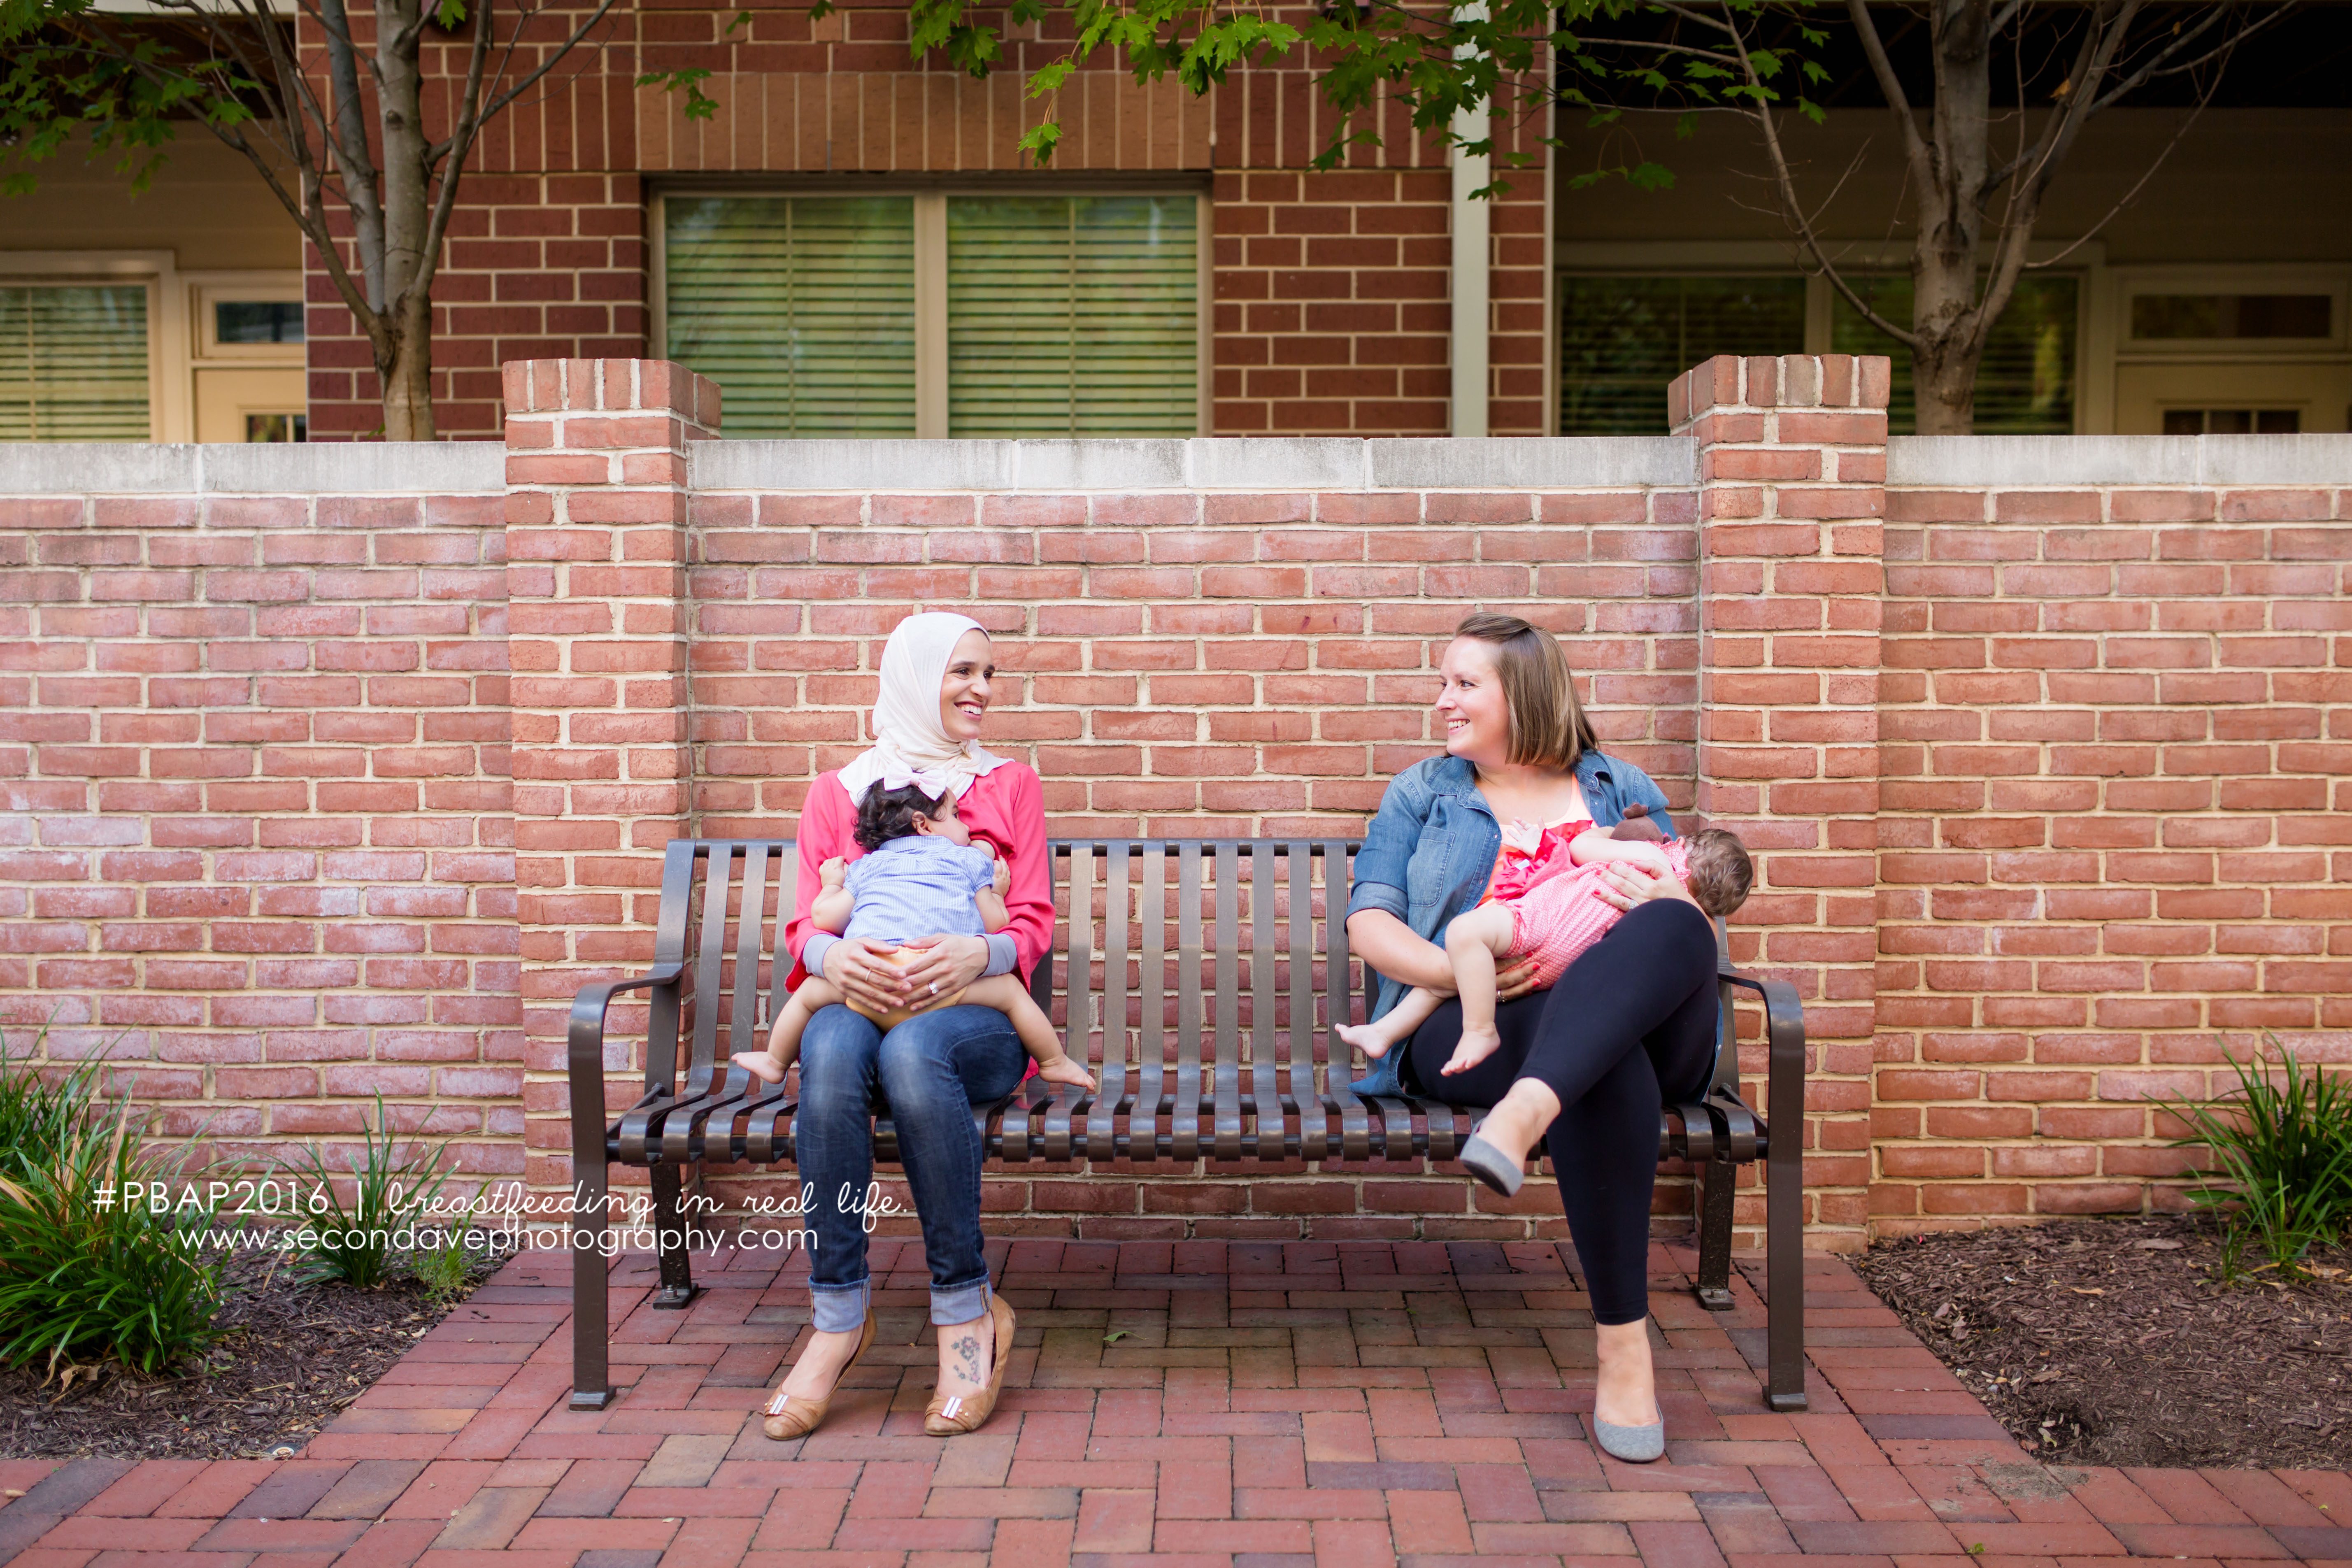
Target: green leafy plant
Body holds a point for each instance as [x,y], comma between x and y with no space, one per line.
[37,1114]
[390,1191]
[86,1272]
[2280,1154]
[441,1262]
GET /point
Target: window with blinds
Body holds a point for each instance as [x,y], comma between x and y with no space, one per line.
[802,309]
[2025,383]
[73,363]
[1073,315]
[1622,340]
[1005,314]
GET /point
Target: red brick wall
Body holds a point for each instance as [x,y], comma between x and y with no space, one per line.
[1793,472]
[2112,828]
[2042,779]
[253,751]
[1184,663]
[1328,311]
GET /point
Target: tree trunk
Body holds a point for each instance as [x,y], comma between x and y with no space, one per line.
[408,377]
[1946,311]
[1944,384]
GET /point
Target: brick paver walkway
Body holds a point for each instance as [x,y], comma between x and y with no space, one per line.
[1260,1405]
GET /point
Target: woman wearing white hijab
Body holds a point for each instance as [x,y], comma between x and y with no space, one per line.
[931,1070]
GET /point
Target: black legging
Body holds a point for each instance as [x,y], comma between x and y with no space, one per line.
[1635,1012]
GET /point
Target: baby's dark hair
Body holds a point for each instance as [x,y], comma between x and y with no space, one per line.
[1720,871]
[888,814]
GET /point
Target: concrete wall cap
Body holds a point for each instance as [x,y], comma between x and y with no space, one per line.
[2002,462]
[1533,463]
[324,467]
[1228,463]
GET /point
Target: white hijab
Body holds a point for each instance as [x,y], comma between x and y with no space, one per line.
[911,745]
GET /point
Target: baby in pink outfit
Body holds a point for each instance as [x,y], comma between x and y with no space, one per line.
[1543,902]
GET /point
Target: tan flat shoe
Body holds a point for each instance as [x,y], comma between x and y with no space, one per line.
[791,1416]
[951,1414]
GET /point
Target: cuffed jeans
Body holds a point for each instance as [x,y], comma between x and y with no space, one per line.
[930,1072]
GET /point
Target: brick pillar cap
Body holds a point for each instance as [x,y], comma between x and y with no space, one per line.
[610,385]
[1860,381]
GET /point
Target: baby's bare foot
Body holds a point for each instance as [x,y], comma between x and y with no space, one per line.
[1475,1046]
[1367,1039]
[760,1065]
[1065,1070]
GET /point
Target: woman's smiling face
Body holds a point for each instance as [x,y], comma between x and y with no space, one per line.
[1471,705]
[963,690]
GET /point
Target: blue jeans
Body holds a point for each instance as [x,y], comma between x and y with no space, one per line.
[930,1072]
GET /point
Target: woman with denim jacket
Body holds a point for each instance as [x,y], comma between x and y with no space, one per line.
[1585,1066]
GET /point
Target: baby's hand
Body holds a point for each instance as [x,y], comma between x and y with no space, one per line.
[834,872]
[1002,880]
[1652,858]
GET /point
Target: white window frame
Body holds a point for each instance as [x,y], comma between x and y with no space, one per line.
[179,320]
[170,406]
[930,212]
[2095,379]
[210,289]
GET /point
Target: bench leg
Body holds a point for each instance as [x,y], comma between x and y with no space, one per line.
[592,1383]
[678,1288]
[1784,1240]
[1717,1182]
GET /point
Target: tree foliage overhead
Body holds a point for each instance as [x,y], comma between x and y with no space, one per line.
[346,129]
[1975,177]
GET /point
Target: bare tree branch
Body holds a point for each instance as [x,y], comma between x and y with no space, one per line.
[579,36]
[1914,151]
[1794,209]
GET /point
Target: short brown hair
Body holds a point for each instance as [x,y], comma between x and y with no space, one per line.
[1720,871]
[1549,727]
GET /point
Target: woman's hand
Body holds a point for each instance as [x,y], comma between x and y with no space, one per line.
[1515,978]
[939,966]
[861,969]
[1625,883]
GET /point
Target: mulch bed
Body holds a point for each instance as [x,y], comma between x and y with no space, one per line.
[292,1356]
[2109,1343]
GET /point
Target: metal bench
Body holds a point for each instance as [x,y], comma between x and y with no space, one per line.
[1204,1060]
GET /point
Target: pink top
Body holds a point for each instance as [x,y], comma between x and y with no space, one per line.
[1562,916]
[1520,864]
[1004,806]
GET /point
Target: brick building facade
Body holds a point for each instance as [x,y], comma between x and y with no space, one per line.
[1327,300]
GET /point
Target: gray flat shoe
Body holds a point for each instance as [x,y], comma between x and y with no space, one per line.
[1487,1162]
[1634,1444]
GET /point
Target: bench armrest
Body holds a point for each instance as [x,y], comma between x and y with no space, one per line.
[1784,1176]
[1784,1037]
[584,1042]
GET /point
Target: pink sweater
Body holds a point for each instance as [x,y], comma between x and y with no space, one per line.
[1005,807]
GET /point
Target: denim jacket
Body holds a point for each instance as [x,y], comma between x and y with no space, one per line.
[1431,849]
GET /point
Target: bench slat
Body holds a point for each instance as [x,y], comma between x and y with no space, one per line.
[1266,1071]
[1305,1101]
[717,866]
[1185,1121]
[743,1031]
[1227,1105]
[1339,996]
[1151,1045]
[1115,1101]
